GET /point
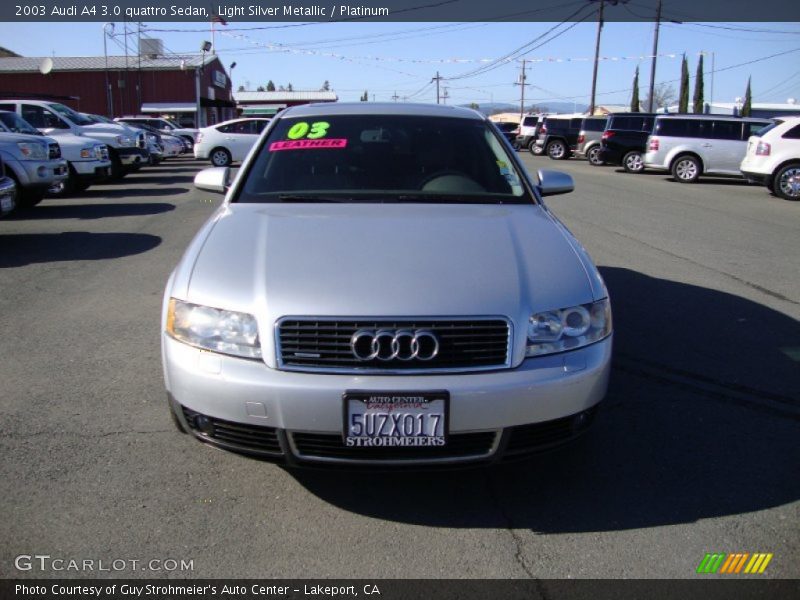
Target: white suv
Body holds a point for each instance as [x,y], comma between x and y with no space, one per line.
[773,158]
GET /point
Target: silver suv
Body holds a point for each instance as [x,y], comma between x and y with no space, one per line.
[335,310]
[589,138]
[691,145]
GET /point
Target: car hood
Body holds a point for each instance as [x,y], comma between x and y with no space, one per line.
[387,260]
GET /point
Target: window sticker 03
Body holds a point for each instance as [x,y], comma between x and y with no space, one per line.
[314,131]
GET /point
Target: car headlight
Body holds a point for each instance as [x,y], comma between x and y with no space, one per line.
[214,329]
[32,151]
[568,328]
[125,141]
[87,152]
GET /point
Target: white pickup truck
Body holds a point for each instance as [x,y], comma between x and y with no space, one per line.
[126,151]
[34,163]
[87,158]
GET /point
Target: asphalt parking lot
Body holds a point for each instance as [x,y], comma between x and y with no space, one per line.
[696,448]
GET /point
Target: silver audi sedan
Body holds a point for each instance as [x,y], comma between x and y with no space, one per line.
[383,285]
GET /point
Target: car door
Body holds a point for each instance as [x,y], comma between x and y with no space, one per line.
[728,147]
[242,136]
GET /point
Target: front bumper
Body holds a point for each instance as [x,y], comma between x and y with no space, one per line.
[544,401]
[92,170]
[133,156]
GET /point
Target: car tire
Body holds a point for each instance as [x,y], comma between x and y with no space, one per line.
[117,170]
[593,156]
[26,198]
[557,150]
[633,162]
[535,149]
[686,169]
[220,157]
[786,182]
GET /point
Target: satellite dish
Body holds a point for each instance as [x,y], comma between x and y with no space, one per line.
[46,65]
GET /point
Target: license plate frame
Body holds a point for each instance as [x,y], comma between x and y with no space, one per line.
[381,401]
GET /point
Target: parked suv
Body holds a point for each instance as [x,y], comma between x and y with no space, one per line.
[773,158]
[588,143]
[87,158]
[624,140]
[329,311]
[34,163]
[558,136]
[691,145]
[164,125]
[127,150]
[528,132]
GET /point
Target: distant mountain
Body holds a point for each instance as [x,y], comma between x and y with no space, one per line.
[556,106]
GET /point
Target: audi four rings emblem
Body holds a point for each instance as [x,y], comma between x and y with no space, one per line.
[390,344]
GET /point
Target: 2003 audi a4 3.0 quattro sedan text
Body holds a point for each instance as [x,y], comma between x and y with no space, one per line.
[383,285]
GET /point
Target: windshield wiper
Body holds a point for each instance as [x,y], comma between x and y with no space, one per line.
[447,199]
[311,198]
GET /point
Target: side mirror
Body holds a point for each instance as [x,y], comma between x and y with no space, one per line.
[215,179]
[552,183]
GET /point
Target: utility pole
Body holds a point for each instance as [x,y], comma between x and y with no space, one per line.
[596,55]
[109,92]
[655,58]
[445,96]
[395,97]
[437,79]
[521,83]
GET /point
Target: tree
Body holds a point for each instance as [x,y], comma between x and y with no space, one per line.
[241,88]
[474,105]
[270,86]
[260,88]
[698,101]
[635,97]
[747,107]
[365,96]
[326,87]
[663,95]
[281,89]
[683,96]
[289,87]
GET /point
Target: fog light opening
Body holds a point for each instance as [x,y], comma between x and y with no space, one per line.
[204,425]
[581,421]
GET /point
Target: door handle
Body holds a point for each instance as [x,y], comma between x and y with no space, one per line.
[707,145]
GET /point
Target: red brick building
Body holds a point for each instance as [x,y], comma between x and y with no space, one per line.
[184,87]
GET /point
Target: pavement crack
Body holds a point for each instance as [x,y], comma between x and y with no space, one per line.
[509,526]
[736,278]
[35,434]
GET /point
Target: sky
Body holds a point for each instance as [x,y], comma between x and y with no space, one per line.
[400,59]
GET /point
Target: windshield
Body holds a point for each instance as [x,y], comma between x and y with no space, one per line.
[16,124]
[170,124]
[66,111]
[383,158]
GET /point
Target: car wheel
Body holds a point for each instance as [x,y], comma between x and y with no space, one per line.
[535,150]
[686,169]
[26,197]
[787,182]
[557,150]
[594,156]
[117,170]
[220,157]
[633,162]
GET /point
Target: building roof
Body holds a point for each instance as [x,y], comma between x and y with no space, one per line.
[30,64]
[278,97]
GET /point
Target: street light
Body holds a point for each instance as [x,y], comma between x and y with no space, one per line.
[108,31]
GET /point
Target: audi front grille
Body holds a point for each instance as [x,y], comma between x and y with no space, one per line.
[341,346]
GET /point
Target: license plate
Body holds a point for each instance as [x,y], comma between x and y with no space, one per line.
[6,204]
[395,419]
